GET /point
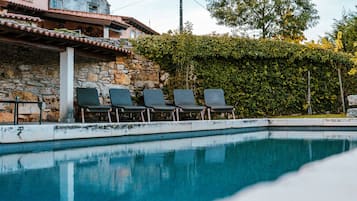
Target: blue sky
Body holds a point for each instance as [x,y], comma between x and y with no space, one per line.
[163,15]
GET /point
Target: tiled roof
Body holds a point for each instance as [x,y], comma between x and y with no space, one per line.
[17,5]
[71,38]
[136,23]
[121,19]
[91,18]
[86,14]
[20,17]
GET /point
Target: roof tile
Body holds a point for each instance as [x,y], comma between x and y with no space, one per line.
[99,42]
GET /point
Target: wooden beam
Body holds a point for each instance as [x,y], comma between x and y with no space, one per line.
[30,44]
[3,32]
[78,45]
[35,39]
[63,44]
[20,35]
[104,57]
[48,42]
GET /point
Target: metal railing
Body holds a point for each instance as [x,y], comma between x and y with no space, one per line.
[16,103]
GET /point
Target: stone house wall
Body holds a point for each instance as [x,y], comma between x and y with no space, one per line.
[33,74]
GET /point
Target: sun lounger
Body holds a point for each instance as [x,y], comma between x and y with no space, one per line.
[122,102]
[215,102]
[88,101]
[154,101]
[185,103]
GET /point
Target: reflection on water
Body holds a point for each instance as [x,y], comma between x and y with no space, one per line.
[194,173]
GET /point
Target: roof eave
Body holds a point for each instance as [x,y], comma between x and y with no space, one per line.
[43,37]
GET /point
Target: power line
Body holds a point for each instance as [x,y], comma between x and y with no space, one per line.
[128,5]
[200,4]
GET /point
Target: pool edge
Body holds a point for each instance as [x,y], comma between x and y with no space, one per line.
[55,132]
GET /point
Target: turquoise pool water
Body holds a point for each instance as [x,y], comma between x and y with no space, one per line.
[201,169]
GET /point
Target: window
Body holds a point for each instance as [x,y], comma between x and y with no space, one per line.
[56,4]
[92,7]
[132,34]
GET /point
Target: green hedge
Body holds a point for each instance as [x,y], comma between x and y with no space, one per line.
[259,77]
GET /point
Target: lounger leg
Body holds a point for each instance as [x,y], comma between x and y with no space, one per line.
[40,106]
[109,117]
[148,113]
[202,115]
[82,112]
[142,116]
[173,115]
[209,113]
[117,114]
[177,114]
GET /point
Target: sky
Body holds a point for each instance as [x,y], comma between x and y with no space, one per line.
[163,15]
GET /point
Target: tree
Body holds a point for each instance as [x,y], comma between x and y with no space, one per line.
[285,19]
[183,54]
[348,27]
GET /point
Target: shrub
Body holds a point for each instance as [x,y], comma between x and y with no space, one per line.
[259,77]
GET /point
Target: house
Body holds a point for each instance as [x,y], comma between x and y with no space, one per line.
[91,18]
[49,47]
[90,6]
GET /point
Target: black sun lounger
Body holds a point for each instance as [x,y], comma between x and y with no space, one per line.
[154,101]
[88,101]
[186,103]
[122,102]
[215,102]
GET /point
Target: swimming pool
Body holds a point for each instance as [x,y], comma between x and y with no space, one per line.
[203,168]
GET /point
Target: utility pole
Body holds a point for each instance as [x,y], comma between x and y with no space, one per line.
[181,20]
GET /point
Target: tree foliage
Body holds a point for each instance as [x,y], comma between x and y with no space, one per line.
[344,35]
[285,19]
[348,27]
[260,77]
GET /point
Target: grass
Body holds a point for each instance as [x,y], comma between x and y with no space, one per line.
[342,115]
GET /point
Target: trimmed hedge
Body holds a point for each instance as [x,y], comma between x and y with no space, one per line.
[259,77]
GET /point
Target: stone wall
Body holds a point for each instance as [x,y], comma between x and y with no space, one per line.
[33,74]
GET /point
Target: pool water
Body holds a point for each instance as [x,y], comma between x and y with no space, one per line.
[176,170]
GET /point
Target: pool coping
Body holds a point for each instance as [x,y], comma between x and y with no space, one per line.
[55,132]
[13,134]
